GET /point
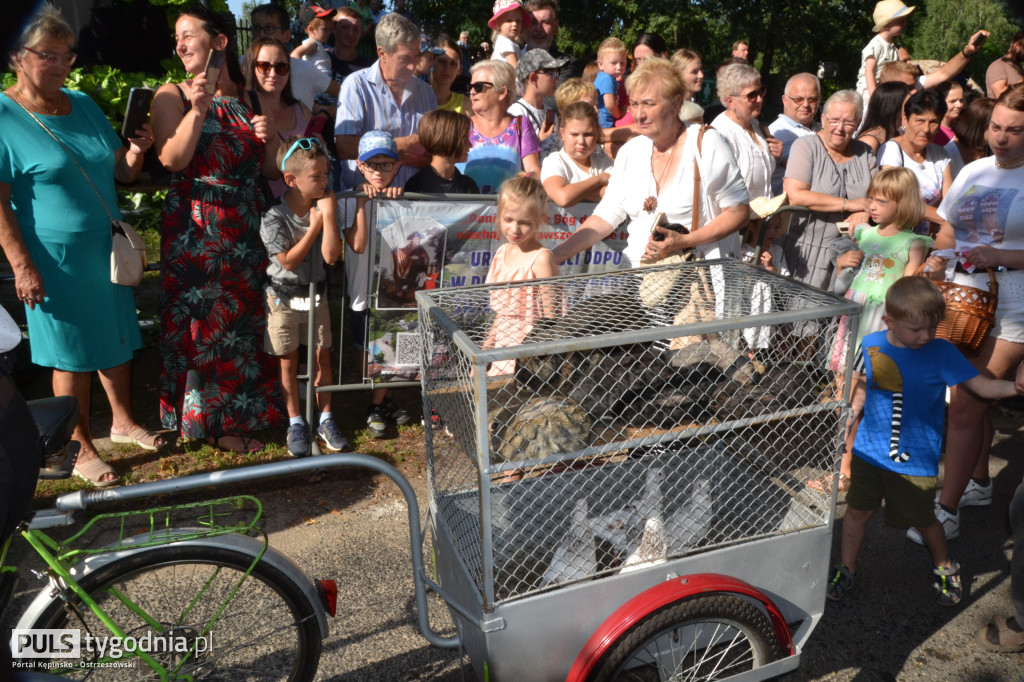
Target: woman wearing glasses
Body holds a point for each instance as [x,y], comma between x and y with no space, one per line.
[829,173]
[739,89]
[55,232]
[268,87]
[217,383]
[501,145]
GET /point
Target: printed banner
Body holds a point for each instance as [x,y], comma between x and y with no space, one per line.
[438,244]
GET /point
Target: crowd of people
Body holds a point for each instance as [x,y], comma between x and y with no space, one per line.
[903,172]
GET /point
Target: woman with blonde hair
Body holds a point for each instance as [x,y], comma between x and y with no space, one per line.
[691,68]
[654,173]
[501,145]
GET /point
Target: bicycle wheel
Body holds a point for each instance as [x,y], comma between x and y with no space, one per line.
[268,631]
[704,638]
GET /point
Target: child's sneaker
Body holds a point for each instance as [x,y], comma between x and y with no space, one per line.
[331,436]
[840,584]
[394,414]
[376,422]
[948,588]
[950,523]
[976,495]
[298,440]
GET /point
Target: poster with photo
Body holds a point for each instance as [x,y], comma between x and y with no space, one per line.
[411,257]
[437,244]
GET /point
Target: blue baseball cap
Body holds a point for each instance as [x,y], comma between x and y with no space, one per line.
[377,143]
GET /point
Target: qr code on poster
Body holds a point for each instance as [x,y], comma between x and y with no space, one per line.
[407,348]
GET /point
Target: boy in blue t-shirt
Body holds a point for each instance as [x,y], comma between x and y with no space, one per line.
[612,57]
[899,440]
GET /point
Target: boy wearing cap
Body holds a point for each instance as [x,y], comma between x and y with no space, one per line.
[289,231]
[538,72]
[890,20]
[378,163]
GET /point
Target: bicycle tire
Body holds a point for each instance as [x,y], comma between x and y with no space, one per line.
[701,639]
[268,631]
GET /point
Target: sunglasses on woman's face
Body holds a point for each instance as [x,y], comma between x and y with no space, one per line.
[480,86]
[280,68]
[754,95]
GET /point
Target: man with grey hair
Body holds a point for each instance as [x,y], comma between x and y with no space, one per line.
[385,96]
[798,118]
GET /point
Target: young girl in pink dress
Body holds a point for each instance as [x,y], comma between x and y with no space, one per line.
[521,202]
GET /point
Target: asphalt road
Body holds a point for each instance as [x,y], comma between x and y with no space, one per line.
[889,628]
[355,530]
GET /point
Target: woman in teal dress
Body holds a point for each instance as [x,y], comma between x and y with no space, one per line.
[56,234]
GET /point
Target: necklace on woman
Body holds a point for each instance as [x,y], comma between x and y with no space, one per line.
[37,105]
[1010,166]
[651,202]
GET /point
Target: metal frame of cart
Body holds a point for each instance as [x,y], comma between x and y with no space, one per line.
[767,547]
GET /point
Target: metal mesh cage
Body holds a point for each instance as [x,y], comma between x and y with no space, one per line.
[588,425]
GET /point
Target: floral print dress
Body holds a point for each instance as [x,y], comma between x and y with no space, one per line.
[216,378]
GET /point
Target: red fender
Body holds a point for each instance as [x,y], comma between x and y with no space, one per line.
[643,604]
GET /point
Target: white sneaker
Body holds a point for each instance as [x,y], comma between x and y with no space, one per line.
[950,523]
[977,495]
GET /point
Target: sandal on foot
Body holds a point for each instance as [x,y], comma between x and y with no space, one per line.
[141,436]
[94,470]
[823,484]
[1002,635]
[249,446]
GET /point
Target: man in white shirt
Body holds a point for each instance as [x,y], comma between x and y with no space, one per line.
[385,96]
[798,118]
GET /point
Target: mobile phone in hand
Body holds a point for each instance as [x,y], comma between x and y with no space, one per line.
[137,111]
[214,64]
[549,117]
[979,40]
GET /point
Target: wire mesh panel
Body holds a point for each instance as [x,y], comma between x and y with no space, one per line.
[597,424]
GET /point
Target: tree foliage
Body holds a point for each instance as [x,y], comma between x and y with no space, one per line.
[785,36]
[941,28]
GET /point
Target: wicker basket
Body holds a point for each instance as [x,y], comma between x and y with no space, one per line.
[970,313]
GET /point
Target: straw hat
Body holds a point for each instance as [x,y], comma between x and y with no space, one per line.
[764,207]
[503,6]
[887,10]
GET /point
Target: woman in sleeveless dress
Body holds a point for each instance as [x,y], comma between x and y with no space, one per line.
[216,382]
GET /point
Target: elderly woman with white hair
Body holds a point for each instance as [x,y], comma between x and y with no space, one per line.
[501,145]
[740,90]
[829,173]
[654,173]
